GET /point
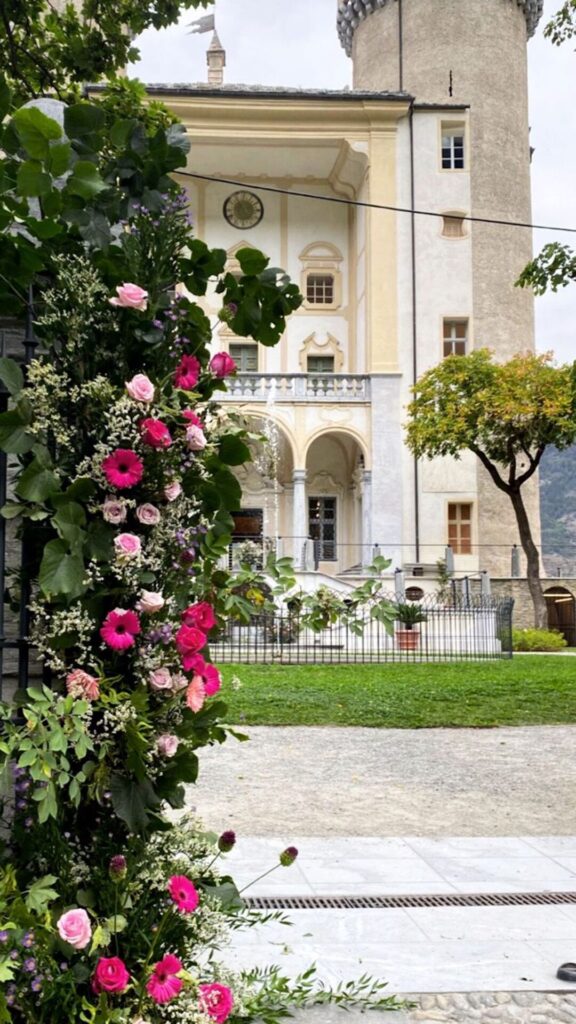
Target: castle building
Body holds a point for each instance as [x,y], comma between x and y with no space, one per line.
[436,121]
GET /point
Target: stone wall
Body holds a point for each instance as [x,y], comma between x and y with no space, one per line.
[523,616]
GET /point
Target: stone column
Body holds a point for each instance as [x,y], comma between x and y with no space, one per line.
[366,517]
[300,517]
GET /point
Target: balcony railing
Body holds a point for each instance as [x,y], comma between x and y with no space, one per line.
[298,387]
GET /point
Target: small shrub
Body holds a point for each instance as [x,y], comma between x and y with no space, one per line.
[538,640]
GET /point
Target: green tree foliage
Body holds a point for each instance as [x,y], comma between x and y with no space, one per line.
[506,414]
[50,48]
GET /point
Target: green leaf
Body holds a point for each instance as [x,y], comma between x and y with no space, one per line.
[100,541]
[36,483]
[100,937]
[44,229]
[60,571]
[227,894]
[11,375]
[31,180]
[36,131]
[10,511]
[14,436]
[251,261]
[69,521]
[85,180]
[82,119]
[116,924]
[132,801]
[41,893]
[59,158]
[233,451]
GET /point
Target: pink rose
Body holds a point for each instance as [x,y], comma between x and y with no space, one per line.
[114,511]
[179,682]
[189,639]
[127,545]
[140,388]
[167,744]
[74,927]
[148,514]
[150,602]
[222,365]
[201,615]
[130,296]
[172,491]
[216,1000]
[81,684]
[110,975]
[155,433]
[160,679]
[195,438]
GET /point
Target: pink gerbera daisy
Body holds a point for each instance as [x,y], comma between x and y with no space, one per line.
[163,984]
[123,469]
[184,893]
[119,629]
[195,694]
[187,373]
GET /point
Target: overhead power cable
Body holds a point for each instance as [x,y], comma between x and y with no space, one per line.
[371,206]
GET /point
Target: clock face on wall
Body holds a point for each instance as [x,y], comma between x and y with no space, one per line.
[243,210]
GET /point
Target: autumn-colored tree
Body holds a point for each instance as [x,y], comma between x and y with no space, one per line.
[507,414]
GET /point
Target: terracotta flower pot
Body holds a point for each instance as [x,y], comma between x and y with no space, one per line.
[407,639]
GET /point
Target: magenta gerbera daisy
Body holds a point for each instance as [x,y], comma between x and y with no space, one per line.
[184,893]
[187,373]
[163,985]
[123,469]
[119,629]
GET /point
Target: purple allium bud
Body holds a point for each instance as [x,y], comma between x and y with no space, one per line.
[288,856]
[117,867]
[227,841]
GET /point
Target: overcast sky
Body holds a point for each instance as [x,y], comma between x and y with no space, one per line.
[294,43]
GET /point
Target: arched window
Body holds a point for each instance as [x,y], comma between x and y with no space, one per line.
[321,276]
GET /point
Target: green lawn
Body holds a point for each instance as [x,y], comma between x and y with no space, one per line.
[529,690]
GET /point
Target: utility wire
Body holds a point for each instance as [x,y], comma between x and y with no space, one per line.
[370,206]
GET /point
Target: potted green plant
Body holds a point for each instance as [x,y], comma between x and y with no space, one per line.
[409,615]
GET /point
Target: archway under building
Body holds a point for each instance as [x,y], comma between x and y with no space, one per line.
[561,606]
[337,503]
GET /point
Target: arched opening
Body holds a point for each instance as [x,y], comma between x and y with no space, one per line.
[337,503]
[561,607]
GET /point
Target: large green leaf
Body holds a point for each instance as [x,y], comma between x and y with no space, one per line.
[132,801]
[14,436]
[41,893]
[59,158]
[36,131]
[233,451]
[11,375]
[31,180]
[69,521]
[60,571]
[251,261]
[85,180]
[36,483]
[82,119]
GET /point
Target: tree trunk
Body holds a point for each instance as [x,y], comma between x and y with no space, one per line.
[532,560]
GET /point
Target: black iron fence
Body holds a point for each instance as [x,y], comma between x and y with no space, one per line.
[473,630]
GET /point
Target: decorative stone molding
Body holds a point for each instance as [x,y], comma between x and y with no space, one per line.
[352,12]
[321,345]
[322,258]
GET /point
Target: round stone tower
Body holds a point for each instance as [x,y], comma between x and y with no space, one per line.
[466,52]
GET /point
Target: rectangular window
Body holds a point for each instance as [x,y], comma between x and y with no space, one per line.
[453,226]
[455,337]
[460,527]
[245,357]
[320,289]
[320,364]
[452,149]
[322,527]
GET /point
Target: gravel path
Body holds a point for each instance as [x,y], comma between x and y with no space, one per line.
[392,782]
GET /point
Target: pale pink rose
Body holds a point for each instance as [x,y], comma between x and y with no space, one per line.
[148,514]
[114,511]
[160,679]
[127,545]
[140,388]
[195,438]
[195,693]
[74,927]
[172,491]
[80,684]
[130,296]
[179,682]
[167,744]
[150,602]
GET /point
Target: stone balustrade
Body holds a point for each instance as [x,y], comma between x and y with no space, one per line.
[298,387]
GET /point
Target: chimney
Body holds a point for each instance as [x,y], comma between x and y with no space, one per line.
[216,60]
